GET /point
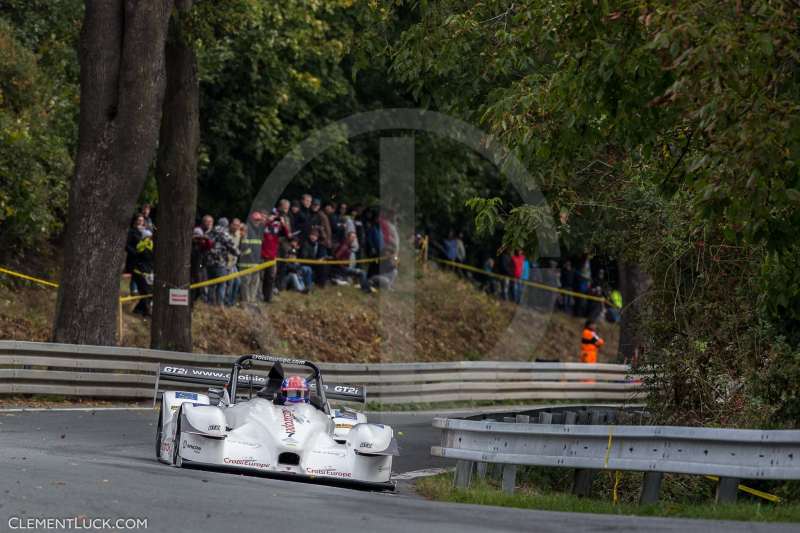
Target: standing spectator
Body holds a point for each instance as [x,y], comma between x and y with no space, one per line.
[567,282]
[374,241]
[552,278]
[296,219]
[339,227]
[201,245]
[613,313]
[135,234]
[232,286]
[143,273]
[250,256]
[219,258]
[450,248]
[391,239]
[461,250]
[329,210]
[518,260]
[507,270]
[285,213]
[314,249]
[207,224]
[356,217]
[302,218]
[319,220]
[274,228]
[590,343]
[148,221]
[489,282]
[583,281]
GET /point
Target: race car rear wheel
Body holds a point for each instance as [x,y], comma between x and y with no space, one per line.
[159,434]
[176,442]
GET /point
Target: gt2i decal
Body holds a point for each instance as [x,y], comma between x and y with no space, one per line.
[214,427]
[365,445]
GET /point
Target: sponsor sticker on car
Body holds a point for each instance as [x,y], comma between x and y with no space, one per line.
[186,395]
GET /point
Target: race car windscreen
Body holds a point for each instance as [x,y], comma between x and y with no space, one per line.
[264,379]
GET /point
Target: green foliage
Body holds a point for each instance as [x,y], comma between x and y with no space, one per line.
[663,133]
[38,96]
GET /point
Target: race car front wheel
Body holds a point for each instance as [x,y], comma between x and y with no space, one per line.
[176,442]
[159,434]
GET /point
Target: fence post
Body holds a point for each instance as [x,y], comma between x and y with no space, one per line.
[651,486]
[727,489]
[463,474]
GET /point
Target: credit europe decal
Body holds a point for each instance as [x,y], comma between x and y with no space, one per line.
[246,462]
[288,422]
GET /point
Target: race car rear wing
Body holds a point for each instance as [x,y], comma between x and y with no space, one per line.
[215,377]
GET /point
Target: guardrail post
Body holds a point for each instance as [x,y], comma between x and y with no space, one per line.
[584,477]
[481,470]
[546,418]
[651,487]
[509,478]
[727,489]
[570,418]
[463,474]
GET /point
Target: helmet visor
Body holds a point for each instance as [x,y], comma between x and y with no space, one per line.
[296,395]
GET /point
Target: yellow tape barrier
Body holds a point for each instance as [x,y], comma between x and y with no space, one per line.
[29,278]
[755,492]
[524,282]
[213,281]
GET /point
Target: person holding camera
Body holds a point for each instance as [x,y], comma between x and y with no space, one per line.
[274,228]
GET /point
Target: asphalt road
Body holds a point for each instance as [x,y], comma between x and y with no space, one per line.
[100,464]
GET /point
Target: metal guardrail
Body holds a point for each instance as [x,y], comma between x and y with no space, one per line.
[104,371]
[534,439]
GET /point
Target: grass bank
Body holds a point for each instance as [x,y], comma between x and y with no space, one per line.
[434,317]
[484,492]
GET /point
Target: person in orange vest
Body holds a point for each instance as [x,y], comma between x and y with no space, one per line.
[590,342]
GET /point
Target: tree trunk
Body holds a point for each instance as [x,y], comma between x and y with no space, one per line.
[176,172]
[634,283]
[122,86]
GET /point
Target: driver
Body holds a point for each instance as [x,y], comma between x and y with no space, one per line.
[294,389]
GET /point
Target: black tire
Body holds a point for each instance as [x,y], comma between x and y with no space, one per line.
[176,442]
[159,433]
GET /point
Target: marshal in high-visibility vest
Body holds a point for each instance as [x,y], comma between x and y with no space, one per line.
[590,342]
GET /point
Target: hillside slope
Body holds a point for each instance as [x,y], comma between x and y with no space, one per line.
[446,318]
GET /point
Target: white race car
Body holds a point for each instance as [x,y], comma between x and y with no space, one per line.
[261,432]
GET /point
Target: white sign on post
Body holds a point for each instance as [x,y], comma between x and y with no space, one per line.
[178,297]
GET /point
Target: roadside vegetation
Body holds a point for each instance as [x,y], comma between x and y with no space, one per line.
[682,497]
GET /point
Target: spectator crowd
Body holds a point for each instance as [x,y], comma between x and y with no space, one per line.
[504,276]
[315,244]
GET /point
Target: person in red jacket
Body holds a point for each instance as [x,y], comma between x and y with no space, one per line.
[274,228]
[518,260]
